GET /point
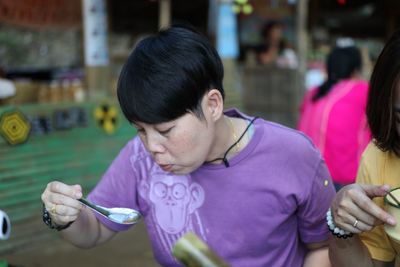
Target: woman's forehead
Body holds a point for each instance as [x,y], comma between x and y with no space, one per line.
[186,117]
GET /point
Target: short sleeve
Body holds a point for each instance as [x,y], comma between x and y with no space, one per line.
[117,188]
[377,242]
[312,212]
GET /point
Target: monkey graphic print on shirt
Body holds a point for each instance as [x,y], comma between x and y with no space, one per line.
[174,200]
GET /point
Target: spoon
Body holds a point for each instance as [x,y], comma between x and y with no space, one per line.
[118,215]
[394,198]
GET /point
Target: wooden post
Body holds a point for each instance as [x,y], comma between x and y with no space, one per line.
[227,45]
[164,18]
[302,45]
[97,72]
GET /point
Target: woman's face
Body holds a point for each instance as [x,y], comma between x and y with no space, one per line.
[276,33]
[179,146]
[397,108]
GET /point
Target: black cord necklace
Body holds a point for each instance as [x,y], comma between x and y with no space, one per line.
[224,159]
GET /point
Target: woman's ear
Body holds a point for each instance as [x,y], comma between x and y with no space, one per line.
[214,104]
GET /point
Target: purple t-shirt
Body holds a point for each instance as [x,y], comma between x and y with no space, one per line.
[260,211]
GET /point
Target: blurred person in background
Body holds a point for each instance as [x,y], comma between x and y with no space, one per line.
[333,114]
[274,49]
[359,208]
[256,192]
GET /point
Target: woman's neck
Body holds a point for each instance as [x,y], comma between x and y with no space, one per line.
[228,130]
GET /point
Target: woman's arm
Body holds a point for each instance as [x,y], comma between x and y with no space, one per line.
[354,202]
[351,252]
[317,255]
[87,231]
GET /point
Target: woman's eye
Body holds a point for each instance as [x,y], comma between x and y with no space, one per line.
[165,131]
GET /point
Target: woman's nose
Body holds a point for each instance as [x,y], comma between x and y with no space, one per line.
[154,143]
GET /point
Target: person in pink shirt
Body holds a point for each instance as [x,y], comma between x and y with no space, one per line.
[333,115]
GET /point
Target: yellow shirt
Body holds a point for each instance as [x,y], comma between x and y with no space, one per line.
[377,168]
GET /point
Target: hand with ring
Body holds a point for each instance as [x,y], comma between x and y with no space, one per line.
[353,209]
[61,202]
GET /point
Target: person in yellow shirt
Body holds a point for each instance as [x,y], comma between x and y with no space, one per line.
[356,216]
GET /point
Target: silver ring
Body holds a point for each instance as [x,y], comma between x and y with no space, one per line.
[355,224]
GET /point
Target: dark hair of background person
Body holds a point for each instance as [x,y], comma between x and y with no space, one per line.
[167,74]
[385,79]
[342,63]
[266,32]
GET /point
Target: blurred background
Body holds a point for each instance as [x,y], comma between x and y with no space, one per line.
[59,65]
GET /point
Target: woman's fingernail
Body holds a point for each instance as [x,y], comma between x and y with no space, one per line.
[391,221]
[78,195]
[386,187]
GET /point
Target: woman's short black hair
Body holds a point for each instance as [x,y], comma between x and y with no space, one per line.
[381,97]
[168,74]
[341,63]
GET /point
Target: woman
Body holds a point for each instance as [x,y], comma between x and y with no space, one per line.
[358,208]
[333,115]
[274,49]
[254,191]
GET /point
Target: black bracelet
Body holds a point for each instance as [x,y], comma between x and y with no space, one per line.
[50,224]
[336,231]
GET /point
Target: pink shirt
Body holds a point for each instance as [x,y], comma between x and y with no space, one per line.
[337,124]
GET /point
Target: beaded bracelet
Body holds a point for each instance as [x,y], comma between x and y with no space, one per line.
[50,224]
[334,229]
